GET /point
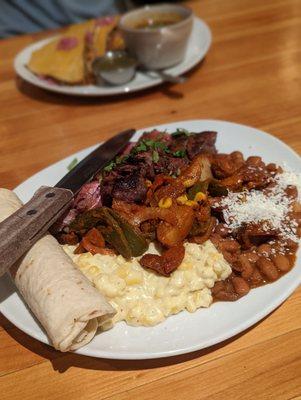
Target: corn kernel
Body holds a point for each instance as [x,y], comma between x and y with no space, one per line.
[148,183]
[93,270]
[182,199]
[165,202]
[122,271]
[200,196]
[185,266]
[189,182]
[191,203]
[133,278]
[175,309]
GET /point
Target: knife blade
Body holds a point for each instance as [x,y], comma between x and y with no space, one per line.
[94,162]
[20,231]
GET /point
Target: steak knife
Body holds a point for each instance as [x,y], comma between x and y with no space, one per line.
[20,231]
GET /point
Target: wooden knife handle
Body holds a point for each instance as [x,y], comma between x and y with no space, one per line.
[21,230]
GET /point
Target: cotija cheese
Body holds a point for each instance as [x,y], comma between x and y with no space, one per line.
[270,207]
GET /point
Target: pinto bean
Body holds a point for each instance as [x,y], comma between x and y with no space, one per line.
[272,167]
[218,286]
[238,158]
[215,239]
[226,296]
[256,279]
[231,258]
[281,262]
[229,245]
[222,230]
[241,287]
[253,160]
[252,257]
[246,266]
[265,249]
[291,258]
[268,268]
[291,191]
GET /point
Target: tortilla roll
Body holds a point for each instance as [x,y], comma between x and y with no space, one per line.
[64,301]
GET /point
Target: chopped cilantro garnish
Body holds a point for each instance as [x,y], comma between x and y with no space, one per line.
[110,166]
[160,145]
[179,153]
[147,144]
[140,147]
[155,156]
[181,131]
[72,164]
[121,159]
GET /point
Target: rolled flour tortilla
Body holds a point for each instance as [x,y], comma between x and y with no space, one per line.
[64,301]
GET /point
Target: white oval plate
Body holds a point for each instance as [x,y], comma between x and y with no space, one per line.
[183,332]
[198,46]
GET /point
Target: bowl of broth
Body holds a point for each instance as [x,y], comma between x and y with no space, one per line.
[157,36]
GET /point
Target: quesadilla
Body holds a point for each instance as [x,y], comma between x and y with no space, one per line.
[68,58]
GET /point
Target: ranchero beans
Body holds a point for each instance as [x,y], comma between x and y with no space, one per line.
[240,285]
[246,266]
[257,256]
[229,245]
[268,268]
[256,279]
[251,256]
[264,249]
[281,262]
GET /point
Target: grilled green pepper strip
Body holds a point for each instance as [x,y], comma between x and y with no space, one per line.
[107,225]
[120,234]
[134,237]
[114,235]
[196,188]
[87,220]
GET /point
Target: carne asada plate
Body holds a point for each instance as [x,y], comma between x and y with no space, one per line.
[222,265]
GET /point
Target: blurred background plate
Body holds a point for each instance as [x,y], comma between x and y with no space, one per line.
[198,46]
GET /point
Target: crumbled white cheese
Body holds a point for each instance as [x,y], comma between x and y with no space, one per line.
[270,207]
[289,178]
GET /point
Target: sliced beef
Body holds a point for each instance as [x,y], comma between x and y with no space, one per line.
[157,136]
[169,165]
[203,142]
[88,197]
[130,188]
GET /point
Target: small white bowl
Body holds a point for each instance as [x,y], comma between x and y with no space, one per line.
[157,48]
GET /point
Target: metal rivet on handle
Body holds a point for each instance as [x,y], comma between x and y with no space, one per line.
[51,194]
[31,212]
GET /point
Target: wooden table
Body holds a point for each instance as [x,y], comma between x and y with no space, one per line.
[252,76]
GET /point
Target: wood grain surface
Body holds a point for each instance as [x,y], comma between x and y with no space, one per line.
[252,75]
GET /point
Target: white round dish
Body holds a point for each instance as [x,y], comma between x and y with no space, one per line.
[183,332]
[198,46]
